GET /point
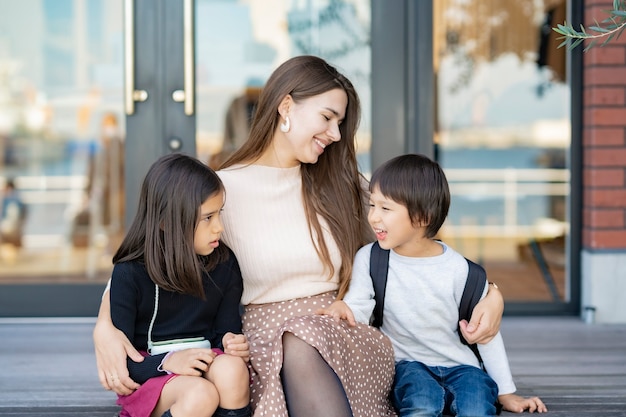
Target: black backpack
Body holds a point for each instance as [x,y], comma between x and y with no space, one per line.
[474,287]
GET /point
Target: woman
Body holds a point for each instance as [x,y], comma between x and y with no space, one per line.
[295,218]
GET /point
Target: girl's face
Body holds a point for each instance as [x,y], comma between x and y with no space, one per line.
[209,227]
[392,224]
[314,126]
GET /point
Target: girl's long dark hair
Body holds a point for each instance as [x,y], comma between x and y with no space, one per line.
[162,232]
[332,187]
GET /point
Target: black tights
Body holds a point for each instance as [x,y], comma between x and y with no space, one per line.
[311,386]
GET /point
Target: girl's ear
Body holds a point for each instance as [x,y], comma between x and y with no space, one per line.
[285,105]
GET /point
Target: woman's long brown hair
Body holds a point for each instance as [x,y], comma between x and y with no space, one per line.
[332,187]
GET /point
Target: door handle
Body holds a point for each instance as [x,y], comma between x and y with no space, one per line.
[130,94]
[187,94]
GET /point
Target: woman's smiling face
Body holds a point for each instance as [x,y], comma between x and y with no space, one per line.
[314,125]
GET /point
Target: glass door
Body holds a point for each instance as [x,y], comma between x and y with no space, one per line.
[62,131]
[503,137]
[93,91]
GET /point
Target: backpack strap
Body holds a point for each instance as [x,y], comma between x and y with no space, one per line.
[474,287]
[379,265]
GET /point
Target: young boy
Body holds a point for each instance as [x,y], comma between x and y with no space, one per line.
[435,372]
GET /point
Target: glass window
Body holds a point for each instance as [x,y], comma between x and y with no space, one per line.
[61,139]
[240,43]
[503,137]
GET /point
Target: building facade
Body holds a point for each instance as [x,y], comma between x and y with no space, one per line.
[531,136]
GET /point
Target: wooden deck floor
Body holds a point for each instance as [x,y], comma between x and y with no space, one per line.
[48,367]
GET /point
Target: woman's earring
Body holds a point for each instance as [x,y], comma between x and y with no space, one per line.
[284,127]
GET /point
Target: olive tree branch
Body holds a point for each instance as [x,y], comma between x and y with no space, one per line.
[609,28]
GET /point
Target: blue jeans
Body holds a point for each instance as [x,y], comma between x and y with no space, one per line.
[464,390]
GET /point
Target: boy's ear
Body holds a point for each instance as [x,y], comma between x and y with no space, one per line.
[285,105]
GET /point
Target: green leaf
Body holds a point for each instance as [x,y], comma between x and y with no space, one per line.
[565,42]
[599,29]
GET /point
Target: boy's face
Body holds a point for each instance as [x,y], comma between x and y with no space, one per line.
[392,225]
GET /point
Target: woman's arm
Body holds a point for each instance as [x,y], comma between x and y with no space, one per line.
[112,347]
[485,321]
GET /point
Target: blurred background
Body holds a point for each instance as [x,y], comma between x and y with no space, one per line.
[92,91]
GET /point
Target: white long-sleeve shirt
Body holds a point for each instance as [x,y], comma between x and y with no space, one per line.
[421,312]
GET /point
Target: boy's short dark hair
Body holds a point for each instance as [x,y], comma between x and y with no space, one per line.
[418,183]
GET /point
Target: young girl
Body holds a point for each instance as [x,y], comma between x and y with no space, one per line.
[175,294]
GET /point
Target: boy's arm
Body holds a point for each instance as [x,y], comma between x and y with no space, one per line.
[497,364]
[360,295]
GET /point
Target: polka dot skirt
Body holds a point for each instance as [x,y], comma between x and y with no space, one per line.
[361,356]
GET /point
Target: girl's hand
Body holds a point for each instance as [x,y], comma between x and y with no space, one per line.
[338,310]
[236,345]
[486,317]
[516,404]
[112,347]
[191,362]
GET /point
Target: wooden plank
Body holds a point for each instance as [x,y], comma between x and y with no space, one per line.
[48,368]
[579,370]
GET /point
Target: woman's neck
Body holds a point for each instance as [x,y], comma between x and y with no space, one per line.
[273,157]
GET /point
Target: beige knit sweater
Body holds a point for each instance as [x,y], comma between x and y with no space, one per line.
[266,227]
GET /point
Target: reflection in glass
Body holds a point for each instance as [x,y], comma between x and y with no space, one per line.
[503,138]
[60,111]
[239,43]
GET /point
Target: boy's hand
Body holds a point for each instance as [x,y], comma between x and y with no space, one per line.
[236,345]
[338,310]
[516,404]
[192,362]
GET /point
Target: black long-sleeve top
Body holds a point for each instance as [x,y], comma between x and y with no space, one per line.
[179,315]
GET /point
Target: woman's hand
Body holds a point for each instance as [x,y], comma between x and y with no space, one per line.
[486,317]
[191,362]
[516,404]
[338,310]
[112,347]
[236,345]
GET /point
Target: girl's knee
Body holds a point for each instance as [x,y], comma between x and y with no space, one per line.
[196,396]
[228,367]
[232,380]
[203,394]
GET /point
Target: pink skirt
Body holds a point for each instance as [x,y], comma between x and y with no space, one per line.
[141,403]
[361,356]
